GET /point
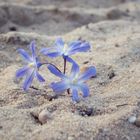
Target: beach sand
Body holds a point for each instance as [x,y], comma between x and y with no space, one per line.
[113,29]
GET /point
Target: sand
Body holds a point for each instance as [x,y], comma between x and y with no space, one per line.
[113,29]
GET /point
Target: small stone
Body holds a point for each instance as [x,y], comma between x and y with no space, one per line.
[70,138]
[85,111]
[44,116]
[132,119]
[111,74]
[137,122]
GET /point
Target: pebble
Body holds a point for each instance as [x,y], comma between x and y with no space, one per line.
[85,111]
[70,138]
[111,74]
[132,119]
[44,116]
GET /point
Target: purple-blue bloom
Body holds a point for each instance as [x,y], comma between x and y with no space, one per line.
[62,49]
[74,82]
[30,70]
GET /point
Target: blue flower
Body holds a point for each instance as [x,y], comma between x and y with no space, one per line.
[74,82]
[30,70]
[62,49]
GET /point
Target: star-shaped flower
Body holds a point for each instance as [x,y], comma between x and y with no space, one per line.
[62,49]
[30,70]
[74,82]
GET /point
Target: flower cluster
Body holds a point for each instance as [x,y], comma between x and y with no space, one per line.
[72,83]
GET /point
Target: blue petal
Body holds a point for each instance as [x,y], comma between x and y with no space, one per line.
[74,44]
[88,74]
[24,54]
[59,86]
[55,71]
[85,45]
[85,90]
[45,51]
[81,48]
[59,43]
[28,80]
[21,72]
[69,59]
[75,97]
[53,54]
[39,77]
[32,47]
[74,70]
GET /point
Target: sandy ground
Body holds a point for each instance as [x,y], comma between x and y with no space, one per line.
[113,29]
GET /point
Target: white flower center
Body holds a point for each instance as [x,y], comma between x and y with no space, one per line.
[32,65]
[65,49]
